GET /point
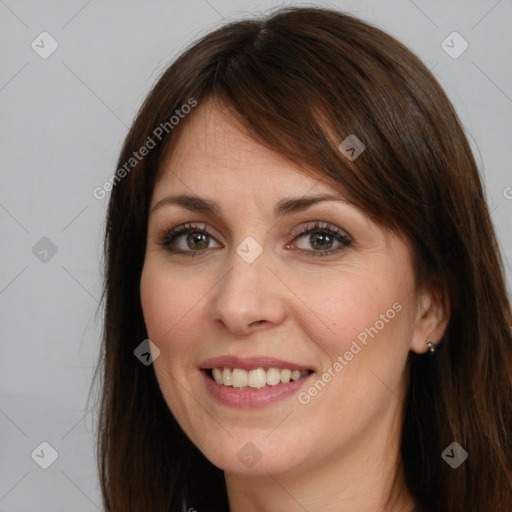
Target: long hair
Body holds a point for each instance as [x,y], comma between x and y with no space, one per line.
[300,81]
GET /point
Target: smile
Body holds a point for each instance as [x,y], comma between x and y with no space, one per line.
[257,378]
[252,382]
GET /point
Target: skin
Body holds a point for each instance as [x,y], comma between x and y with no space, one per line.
[340,450]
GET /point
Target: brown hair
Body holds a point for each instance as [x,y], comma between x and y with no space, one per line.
[301,80]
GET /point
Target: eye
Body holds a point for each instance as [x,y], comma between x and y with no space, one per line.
[195,243]
[321,237]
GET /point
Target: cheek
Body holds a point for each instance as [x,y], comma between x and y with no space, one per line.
[168,308]
[166,303]
[362,335]
[366,346]
[352,305]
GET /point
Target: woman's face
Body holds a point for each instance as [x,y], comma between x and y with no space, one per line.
[267,287]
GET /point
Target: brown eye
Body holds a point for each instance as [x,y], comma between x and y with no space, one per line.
[197,241]
[188,239]
[321,240]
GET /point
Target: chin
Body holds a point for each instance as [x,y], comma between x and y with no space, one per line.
[240,455]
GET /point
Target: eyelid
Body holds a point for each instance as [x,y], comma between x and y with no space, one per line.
[319,225]
[341,236]
[167,236]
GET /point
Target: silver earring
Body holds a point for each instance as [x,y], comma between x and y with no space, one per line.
[431,347]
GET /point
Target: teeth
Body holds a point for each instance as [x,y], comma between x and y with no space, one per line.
[217,375]
[286,375]
[239,378]
[295,375]
[226,377]
[273,376]
[257,378]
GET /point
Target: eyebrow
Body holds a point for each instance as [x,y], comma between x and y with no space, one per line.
[284,207]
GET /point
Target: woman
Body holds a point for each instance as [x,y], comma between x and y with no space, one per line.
[376,376]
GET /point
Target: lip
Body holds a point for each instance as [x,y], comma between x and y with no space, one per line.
[253,398]
[250,363]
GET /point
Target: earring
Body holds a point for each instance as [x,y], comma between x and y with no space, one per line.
[431,347]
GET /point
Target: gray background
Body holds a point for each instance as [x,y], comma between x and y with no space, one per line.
[63,122]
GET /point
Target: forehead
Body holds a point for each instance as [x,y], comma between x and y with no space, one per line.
[213,153]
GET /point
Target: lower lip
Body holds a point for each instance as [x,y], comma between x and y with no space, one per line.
[253,398]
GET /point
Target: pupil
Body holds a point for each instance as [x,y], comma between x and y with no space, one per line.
[318,238]
[197,241]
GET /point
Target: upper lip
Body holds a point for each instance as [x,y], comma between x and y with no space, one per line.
[250,363]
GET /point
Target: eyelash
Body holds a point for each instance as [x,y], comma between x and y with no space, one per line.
[168,237]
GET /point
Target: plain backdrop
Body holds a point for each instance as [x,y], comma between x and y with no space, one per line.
[63,120]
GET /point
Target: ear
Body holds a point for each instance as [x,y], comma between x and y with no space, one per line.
[432,317]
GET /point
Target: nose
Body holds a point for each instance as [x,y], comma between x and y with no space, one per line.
[248,296]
